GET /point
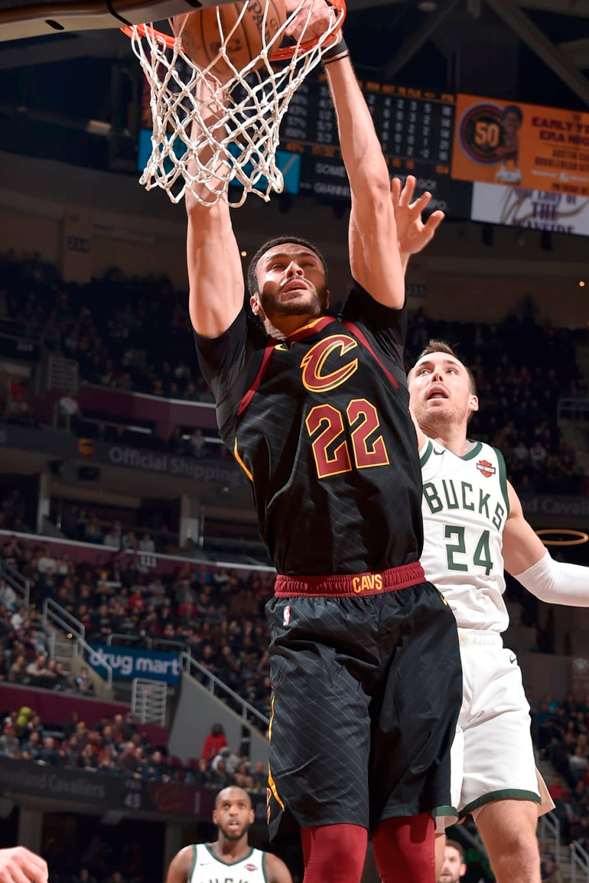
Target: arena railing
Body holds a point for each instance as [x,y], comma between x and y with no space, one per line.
[549,829]
[189,665]
[579,863]
[56,616]
[18,582]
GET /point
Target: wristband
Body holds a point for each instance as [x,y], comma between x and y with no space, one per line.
[338,49]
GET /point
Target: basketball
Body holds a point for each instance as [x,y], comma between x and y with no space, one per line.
[202,38]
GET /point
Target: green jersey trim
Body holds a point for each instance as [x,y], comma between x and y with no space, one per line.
[229,864]
[474,453]
[502,477]
[194,850]
[505,794]
[264,867]
[426,454]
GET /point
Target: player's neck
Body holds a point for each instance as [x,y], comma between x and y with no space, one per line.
[287,325]
[452,436]
[230,850]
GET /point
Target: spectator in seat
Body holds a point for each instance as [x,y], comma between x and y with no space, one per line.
[146,544]
[84,876]
[46,561]
[92,530]
[127,762]
[37,671]
[196,443]
[8,596]
[201,776]
[113,538]
[214,742]
[83,683]
[260,776]
[32,747]
[578,763]
[9,744]
[549,870]
[50,753]
[18,670]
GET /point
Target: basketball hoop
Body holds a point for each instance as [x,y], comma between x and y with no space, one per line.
[239,148]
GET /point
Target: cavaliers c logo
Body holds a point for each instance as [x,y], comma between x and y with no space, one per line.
[313,362]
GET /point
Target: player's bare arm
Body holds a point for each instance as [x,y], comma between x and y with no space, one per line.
[276,870]
[214,266]
[531,564]
[412,233]
[373,262]
[20,865]
[179,870]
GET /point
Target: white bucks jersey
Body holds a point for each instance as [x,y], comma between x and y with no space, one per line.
[465,507]
[207,868]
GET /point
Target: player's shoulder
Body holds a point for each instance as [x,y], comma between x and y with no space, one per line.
[275,868]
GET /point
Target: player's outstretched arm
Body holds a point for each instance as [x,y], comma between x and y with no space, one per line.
[412,234]
[20,865]
[179,870]
[527,559]
[374,256]
[276,870]
[214,266]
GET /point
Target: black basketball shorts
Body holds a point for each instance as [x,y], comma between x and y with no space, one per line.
[367,687]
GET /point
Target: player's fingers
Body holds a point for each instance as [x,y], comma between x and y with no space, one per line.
[433,222]
[12,873]
[408,190]
[421,204]
[395,191]
[32,865]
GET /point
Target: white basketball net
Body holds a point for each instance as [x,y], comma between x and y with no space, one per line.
[239,147]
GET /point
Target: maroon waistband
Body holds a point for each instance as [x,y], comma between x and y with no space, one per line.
[350,584]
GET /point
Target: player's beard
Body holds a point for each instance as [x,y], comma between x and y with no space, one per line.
[313,305]
[434,420]
[237,835]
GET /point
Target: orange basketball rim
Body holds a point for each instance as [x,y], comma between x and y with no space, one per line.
[283,53]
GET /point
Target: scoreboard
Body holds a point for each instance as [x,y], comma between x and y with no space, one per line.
[415,128]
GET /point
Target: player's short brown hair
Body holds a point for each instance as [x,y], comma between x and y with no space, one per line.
[458,847]
[251,277]
[440,346]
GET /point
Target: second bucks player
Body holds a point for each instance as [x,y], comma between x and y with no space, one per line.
[474,527]
[230,858]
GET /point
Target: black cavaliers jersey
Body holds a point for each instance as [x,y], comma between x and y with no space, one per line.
[320,424]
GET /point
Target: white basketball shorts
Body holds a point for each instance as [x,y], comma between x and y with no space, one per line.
[492,754]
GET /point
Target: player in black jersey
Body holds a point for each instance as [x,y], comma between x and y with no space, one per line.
[364,653]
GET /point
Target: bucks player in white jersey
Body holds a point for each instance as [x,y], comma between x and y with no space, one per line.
[230,858]
[474,528]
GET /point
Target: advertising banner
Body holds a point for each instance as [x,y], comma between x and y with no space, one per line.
[521,145]
[128,663]
[533,209]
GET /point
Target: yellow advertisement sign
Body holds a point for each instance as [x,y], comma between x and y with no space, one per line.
[523,145]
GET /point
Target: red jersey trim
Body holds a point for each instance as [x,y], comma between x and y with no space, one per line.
[363,339]
[258,378]
[311,328]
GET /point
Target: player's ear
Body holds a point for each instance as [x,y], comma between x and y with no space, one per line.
[474,403]
[256,306]
[252,816]
[327,297]
[215,817]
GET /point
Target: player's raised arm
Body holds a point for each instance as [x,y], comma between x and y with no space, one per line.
[374,255]
[531,564]
[214,266]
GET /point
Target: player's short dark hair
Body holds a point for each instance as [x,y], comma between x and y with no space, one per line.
[440,346]
[513,108]
[458,847]
[251,278]
[232,787]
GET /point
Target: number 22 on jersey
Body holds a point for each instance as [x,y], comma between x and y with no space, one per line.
[334,453]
